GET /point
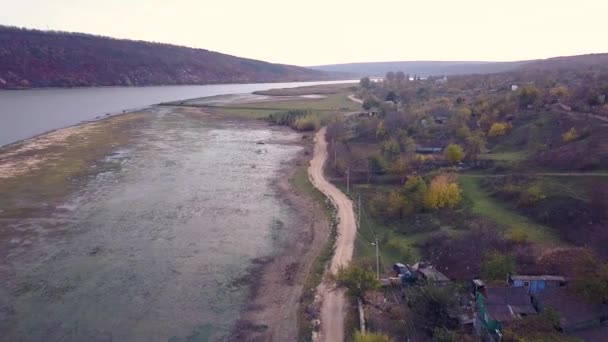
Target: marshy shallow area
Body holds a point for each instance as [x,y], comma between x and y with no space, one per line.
[156,242]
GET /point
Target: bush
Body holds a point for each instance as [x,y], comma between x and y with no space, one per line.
[357,280]
[431,306]
[498,129]
[309,122]
[370,337]
[531,195]
[570,136]
[497,266]
[454,153]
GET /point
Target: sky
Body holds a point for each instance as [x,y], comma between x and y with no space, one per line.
[316,32]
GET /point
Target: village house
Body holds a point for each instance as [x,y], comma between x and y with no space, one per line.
[497,305]
[535,283]
[513,87]
[575,313]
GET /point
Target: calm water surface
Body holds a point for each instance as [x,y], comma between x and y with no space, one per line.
[157,249]
[25,113]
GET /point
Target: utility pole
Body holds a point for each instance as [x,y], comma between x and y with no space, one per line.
[377,258]
[359,216]
[335,152]
[348,181]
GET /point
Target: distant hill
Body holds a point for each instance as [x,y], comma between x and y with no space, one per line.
[593,61]
[32,58]
[440,68]
[421,68]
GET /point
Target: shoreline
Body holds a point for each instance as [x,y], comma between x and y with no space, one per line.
[179,85]
[273,312]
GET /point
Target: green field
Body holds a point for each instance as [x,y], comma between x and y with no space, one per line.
[260,110]
[484,205]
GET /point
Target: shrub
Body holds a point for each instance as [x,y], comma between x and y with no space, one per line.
[357,280]
[370,337]
[570,136]
[531,195]
[497,266]
[431,306]
[454,153]
[309,122]
[498,129]
[442,193]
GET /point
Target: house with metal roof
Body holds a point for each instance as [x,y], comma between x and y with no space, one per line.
[496,305]
[536,283]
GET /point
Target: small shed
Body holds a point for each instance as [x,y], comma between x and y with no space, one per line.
[575,313]
[536,283]
[430,274]
[513,87]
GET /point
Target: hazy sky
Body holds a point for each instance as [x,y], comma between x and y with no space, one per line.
[315,32]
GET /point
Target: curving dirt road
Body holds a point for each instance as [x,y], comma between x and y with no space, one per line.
[332,304]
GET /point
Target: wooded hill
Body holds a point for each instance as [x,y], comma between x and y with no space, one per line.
[441,68]
[32,58]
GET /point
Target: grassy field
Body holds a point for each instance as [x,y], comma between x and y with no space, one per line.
[484,205]
[515,156]
[335,103]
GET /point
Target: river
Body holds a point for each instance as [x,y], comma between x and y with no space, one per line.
[26,113]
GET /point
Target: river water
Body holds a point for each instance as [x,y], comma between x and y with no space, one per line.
[25,113]
[159,248]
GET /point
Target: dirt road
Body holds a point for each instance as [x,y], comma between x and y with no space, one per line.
[332,305]
[354,99]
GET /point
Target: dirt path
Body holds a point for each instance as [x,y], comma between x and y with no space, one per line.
[332,304]
[354,99]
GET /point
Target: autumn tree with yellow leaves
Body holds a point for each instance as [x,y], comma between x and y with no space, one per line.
[443,192]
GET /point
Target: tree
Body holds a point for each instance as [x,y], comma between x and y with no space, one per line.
[377,165]
[370,103]
[370,337]
[399,168]
[391,96]
[395,204]
[380,130]
[390,78]
[476,143]
[570,136]
[414,191]
[365,83]
[497,266]
[357,280]
[442,193]
[498,129]
[454,153]
[400,78]
[560,93]
[528,95]
[431,306]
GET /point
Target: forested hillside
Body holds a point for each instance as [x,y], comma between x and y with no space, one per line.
[31,58]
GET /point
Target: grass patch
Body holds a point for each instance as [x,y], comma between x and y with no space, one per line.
[484,205]
[261,110]
[515,156]
[64,164]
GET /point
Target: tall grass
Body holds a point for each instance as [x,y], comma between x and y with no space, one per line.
[298,119]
